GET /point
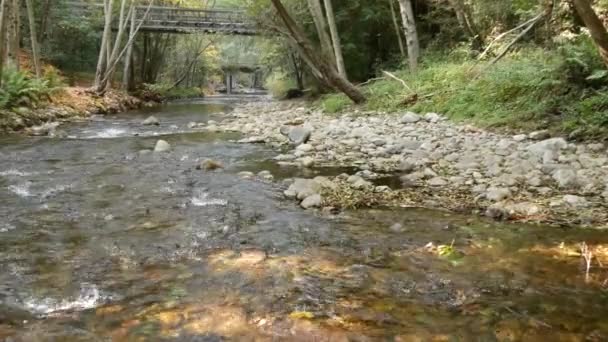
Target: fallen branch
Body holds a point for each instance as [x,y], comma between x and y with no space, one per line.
[398,79]
[531,23]
[371,80]
[504,34]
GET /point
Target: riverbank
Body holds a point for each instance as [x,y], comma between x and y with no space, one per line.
[439,164]
[71,103]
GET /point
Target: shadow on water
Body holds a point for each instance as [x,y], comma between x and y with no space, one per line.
[102,242]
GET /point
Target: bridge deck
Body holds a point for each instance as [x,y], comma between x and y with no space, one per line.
[182,20]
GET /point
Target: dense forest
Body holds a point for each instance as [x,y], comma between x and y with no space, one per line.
[526,63]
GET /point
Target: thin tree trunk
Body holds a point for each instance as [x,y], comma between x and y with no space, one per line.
[44,21]
[595,26]
[411,33]
[114,62]
[3,11]
[126,75]
[297,71]
[327,70]
[13,34]
[105,41]
[144,58]
[397,29]
[335,38]
[122,25]
[33,38]
[321,25]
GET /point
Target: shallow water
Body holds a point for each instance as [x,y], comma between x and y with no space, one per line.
[101,242]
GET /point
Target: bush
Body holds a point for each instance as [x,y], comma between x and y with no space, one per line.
[564,90]
[169,92]
[335,103]
[19,89]
[279,84]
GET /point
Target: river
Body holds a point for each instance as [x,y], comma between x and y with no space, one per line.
[102,239]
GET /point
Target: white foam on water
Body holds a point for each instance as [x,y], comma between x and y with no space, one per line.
[203,200]
[15,172]
[89,297]
[111,133]
[6,227]
[22,190]
[54,190]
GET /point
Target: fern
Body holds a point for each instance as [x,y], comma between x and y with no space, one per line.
[18,89]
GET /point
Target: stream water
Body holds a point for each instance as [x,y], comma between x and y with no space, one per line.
[100,241]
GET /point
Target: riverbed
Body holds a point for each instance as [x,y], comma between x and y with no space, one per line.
[103,239]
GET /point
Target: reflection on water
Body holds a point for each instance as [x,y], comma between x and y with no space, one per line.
[99,241]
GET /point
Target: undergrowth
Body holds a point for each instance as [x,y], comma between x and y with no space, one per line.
[19,88]
[169,92]
[565,90]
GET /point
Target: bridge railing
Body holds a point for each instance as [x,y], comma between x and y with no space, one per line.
[175,18]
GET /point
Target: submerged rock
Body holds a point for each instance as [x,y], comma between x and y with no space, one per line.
[246,174]
[307,162]
[510,211]
[162,146]
[45,129]
[151,121]
[210,165]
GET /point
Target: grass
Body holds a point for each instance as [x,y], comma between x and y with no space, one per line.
[563,90]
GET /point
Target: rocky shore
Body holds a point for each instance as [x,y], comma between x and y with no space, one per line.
[525,177]
[72,104]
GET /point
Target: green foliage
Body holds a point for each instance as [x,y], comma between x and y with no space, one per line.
[278,84]
[19,89]
[563,90]
[168,92]
[334,103]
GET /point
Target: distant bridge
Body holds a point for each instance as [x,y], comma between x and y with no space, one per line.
[181,20]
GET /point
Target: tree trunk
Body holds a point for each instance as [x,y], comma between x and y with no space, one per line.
[411,33]
[122,25]
[44,21]
[327,70]
[397,29]
[297,71]
[3,7]
[321,25]
[126,74]
[595,26]
[105,41]
[335,38]
[13,33]
[33,38]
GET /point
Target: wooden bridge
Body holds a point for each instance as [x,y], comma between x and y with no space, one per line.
[180,20]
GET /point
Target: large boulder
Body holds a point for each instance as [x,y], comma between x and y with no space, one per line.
[299,135]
